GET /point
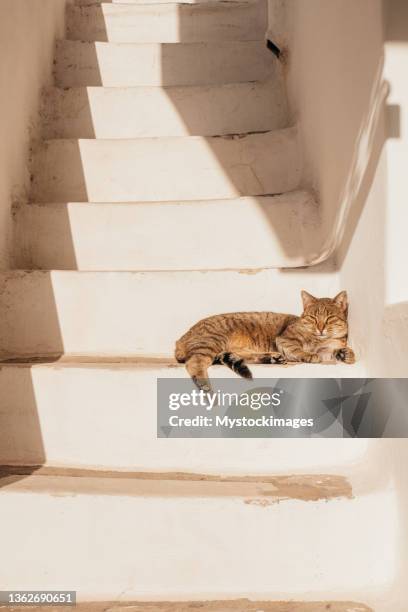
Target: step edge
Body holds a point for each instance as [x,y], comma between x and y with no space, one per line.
[186,137]
[258,490]
[209,605]
[204,43]
[288,197]
[258,82]
[135,5]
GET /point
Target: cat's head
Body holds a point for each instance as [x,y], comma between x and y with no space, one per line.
[325,317]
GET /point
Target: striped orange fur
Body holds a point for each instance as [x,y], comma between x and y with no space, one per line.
[318,334]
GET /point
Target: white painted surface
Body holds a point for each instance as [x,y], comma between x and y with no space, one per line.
[135,112]
[104,416]
[106,546]
[205,547]
[136,313]
[146,23]
[150,169]
[28,29]
[137,2]
[350,113]
[285,232]
[88,64]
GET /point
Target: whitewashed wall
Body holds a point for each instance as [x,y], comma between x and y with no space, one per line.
[346,80]
[28,29]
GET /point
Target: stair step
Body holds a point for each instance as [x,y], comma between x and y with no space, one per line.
[136,313]
[104,538]
[168,23]
[154,169]
[137,2]
[101,413]
[137,112]
[170,236]
[303,487]
[81,64]
[239,605]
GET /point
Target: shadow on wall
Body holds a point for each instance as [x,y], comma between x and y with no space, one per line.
[21,440]
[367,258]
[26,301]
[368,148]
[396,20]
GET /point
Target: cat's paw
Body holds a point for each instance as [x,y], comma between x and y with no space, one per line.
[202,384]
[346,354]
[278,358]
[273,357]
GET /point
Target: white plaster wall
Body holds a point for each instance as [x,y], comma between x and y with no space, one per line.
[335,53]
[346,82]
[28,29]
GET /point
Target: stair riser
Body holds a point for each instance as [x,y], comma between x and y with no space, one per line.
[107,545]
[104,416]
[168,22]
[166,169]
[173,111]
[88,64]
[138,2]
[112,313]
[128,236]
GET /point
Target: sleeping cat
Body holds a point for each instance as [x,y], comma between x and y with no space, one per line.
[319,334]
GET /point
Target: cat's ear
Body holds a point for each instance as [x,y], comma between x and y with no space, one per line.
[307,299]
[341,300]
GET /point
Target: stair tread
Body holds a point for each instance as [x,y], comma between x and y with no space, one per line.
[163,363]
[163,139]
[126,236]
[148,2]
[41,312]
[306,487]
[168,22]
[128,7]
[237,605]
[105,63]
[290,196]
[154,168]
[137,111]
[142,88]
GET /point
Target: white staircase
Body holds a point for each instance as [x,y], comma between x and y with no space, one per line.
[168,187]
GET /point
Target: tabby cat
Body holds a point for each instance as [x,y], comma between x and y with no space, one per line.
[319,334]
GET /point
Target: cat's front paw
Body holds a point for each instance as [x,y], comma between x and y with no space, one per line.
[278,358]
[346,354]
[273,357]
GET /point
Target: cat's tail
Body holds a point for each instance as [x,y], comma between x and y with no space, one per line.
[235,363]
